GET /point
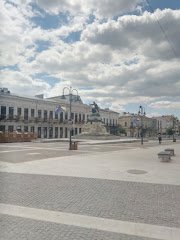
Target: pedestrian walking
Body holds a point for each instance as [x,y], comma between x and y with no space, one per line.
[159,138]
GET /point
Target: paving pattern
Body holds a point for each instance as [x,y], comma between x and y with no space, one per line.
[23,152]
[129,201]
[27,229]
[153,208]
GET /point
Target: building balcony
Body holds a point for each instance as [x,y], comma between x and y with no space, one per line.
[2,117]
[65,121]
[10,118]
[32,119]
[38,119]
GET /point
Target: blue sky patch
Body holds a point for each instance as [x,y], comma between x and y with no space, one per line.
[42,45]
[49,21]
[47,78]
[73,37]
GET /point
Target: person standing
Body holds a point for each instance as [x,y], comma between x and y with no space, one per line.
[159,138]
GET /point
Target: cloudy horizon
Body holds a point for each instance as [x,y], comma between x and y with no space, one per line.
[121,54]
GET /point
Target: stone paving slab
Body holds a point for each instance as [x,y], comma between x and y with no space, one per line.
[26,229]
[156,204]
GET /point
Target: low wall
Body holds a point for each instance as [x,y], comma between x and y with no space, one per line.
[9,137]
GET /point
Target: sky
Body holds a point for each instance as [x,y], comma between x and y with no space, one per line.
[122,54]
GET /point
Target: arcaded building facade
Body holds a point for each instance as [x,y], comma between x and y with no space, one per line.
[39,115]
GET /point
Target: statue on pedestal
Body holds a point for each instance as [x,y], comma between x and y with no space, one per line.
[95,108]
[95,116]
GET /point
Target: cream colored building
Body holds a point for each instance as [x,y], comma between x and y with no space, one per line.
[36,114]
[167,121]
[132,124]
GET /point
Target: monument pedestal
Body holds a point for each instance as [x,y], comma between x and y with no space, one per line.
[94,129]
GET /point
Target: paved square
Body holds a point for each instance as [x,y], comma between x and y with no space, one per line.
[90,193]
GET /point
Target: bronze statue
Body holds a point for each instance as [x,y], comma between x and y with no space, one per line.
[95,108]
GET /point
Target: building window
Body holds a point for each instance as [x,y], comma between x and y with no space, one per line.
[3,112]
[32,113]
[32,129]
[18,128]
[26,114]
[56,132]
[72,115]
[79,130]
[66,132]
[39,132]
[56,115]
[11,112]
[79,117]
[76,118]
[39,113]
[61,132]
[75,131]
[51,132]
[61,116]
[45,132]
[51,115]
[19,112]
[10,128]
[45,114]
[66,116]
[25,128]
[125,124]
[2,128]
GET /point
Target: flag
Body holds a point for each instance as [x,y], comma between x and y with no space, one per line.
[135,121]
[59,109]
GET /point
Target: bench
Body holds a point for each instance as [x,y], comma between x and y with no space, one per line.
[170,150]
[164,156]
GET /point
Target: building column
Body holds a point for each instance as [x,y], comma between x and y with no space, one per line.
[53,131]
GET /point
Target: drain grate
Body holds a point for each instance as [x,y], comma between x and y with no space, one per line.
[136,171]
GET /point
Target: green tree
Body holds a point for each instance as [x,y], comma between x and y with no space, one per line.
[121,130]
[169,131]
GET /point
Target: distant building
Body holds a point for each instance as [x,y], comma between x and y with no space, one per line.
[132,124]
[165,122]
[48,117]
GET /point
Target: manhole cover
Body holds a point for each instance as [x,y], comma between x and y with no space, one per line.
[136,171]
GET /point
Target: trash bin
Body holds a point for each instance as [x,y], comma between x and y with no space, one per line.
[174,140]
[74,146]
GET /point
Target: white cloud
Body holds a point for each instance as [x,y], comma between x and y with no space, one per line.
[21,83]
[116,62]
[165,105]
[14,28]
[139,34]
[101,8]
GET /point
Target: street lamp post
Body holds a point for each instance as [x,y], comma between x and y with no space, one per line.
[174,130]
[70,90]
[141,113]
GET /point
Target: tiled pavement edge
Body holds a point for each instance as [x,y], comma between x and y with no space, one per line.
[121,200]
[13,228]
